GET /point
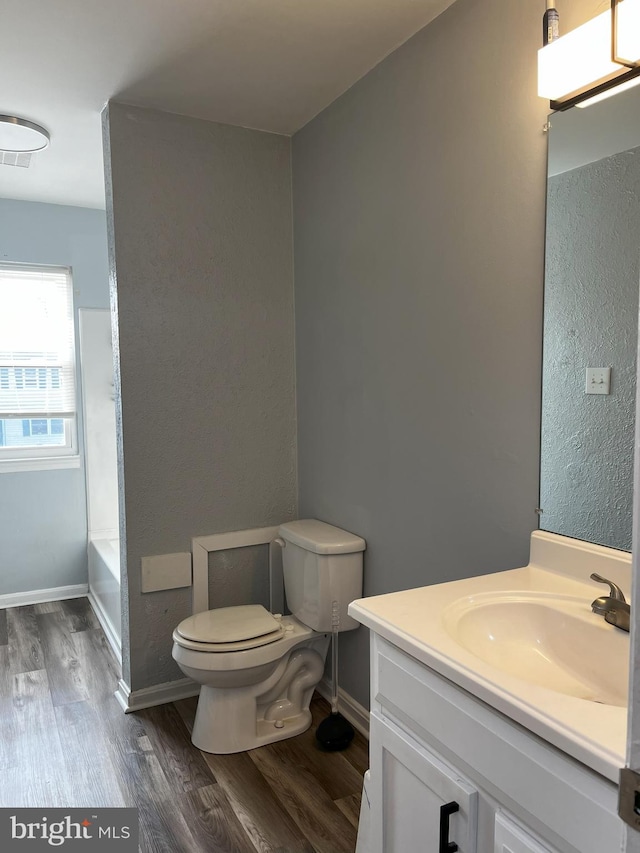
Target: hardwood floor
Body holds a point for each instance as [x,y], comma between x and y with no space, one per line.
[64,741]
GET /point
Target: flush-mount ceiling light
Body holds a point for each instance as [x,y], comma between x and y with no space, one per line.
[22,136]
[592,61]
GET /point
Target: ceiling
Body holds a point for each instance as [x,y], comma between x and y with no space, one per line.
[266,64]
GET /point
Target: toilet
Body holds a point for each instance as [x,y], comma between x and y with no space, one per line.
[258,670]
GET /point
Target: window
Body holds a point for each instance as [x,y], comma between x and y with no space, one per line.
[44,426]
[37,368]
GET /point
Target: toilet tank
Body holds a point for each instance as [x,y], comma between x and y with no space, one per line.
[321,564]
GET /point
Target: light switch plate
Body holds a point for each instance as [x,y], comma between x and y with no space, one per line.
[598,380]
[166,571]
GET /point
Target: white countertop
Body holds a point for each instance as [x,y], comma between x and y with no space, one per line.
[412,620]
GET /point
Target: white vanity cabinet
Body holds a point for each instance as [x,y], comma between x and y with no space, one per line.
[509,838]
[423,803]
[450,773]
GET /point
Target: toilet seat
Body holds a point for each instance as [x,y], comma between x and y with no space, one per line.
[229,629]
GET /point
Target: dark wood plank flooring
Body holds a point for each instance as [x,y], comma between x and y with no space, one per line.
[64,741]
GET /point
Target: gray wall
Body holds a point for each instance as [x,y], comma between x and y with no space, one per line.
[591,320]
[202,273]
[419,235]
[43,523]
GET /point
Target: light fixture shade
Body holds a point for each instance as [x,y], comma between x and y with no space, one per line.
[580,58]
[18,135]
[601,96]
[628,35]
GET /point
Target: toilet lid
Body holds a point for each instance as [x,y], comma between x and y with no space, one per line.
[241,646]
[230,625]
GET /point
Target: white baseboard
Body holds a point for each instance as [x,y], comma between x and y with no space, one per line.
[39,596]
[159,694]
[110,631]
[172,691]
[351,710]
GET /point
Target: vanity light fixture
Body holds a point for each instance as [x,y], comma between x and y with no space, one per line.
[594,61]
[21,136]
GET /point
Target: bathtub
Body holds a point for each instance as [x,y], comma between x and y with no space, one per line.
[104,589]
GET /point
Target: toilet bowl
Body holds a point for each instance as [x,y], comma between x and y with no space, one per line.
[253,692]
[257,670]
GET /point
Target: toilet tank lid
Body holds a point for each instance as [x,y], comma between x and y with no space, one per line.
[321,538]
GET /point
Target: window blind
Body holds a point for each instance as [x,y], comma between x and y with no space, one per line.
[37,360]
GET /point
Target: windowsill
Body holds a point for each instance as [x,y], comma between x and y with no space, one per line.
[45,463]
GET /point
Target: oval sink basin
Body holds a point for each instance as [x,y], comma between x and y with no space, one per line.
[552,641]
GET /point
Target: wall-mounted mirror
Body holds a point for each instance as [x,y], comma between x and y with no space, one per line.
[592,278]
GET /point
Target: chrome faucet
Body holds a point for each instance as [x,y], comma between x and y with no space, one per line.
[614,606]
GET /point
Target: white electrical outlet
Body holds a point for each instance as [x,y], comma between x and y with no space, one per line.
[598,380]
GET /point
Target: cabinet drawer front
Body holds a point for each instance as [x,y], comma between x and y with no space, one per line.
[415,796]
[565,802]
[510,838]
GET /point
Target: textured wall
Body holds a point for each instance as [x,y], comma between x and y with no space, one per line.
[419,235]
[240,576]
[202,264]
[43,514]
[591,320]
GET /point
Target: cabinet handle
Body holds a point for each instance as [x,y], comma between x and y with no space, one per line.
[446,811]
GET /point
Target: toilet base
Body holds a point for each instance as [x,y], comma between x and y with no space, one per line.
[237,719]
[207,739]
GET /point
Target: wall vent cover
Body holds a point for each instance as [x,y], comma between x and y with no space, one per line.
[15,158]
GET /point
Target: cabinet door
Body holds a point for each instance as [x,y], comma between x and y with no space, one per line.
[418,803]
[509,838]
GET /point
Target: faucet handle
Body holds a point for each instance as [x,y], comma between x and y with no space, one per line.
[616,593]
